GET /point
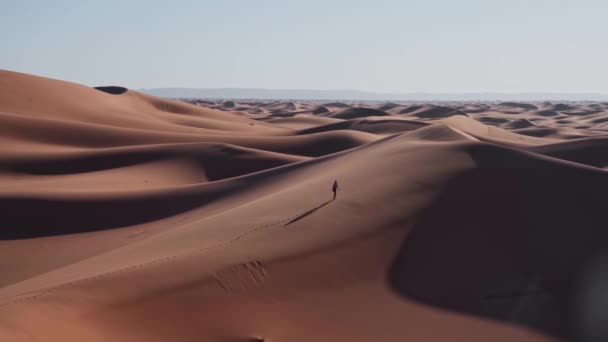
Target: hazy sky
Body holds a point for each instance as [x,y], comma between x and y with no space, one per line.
[379,45]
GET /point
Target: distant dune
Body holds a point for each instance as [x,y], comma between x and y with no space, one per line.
[129,217]
[357,112]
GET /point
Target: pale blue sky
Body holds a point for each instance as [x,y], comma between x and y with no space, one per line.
[379,45]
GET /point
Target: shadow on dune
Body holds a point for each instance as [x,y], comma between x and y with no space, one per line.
[506,241]
[219,161]
[590,151]
[37,215]
[519,105]
[114,90]
[357,112]
[24,217]
[308,212]
[437,112]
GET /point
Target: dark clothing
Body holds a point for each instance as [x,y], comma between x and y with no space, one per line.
[335,188]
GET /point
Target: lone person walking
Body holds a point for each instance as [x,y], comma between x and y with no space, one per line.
[335,188]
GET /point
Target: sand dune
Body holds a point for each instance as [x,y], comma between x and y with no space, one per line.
[357,112]
[375,125]
[434,112]
[134,218]
[518,105]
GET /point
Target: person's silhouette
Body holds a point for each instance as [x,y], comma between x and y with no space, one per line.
[335,188]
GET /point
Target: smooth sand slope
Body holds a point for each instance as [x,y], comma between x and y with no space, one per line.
[133,218]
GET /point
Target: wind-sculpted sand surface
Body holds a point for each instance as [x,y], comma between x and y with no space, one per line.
[127,217]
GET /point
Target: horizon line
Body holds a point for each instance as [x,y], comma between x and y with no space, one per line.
[383,92]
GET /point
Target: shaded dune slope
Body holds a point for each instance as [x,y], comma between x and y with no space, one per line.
[515,258]
[358,112]
[370,125]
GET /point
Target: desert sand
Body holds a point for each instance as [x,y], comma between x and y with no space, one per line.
[127,217]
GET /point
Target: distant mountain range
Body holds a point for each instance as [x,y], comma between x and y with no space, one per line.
[355,95]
